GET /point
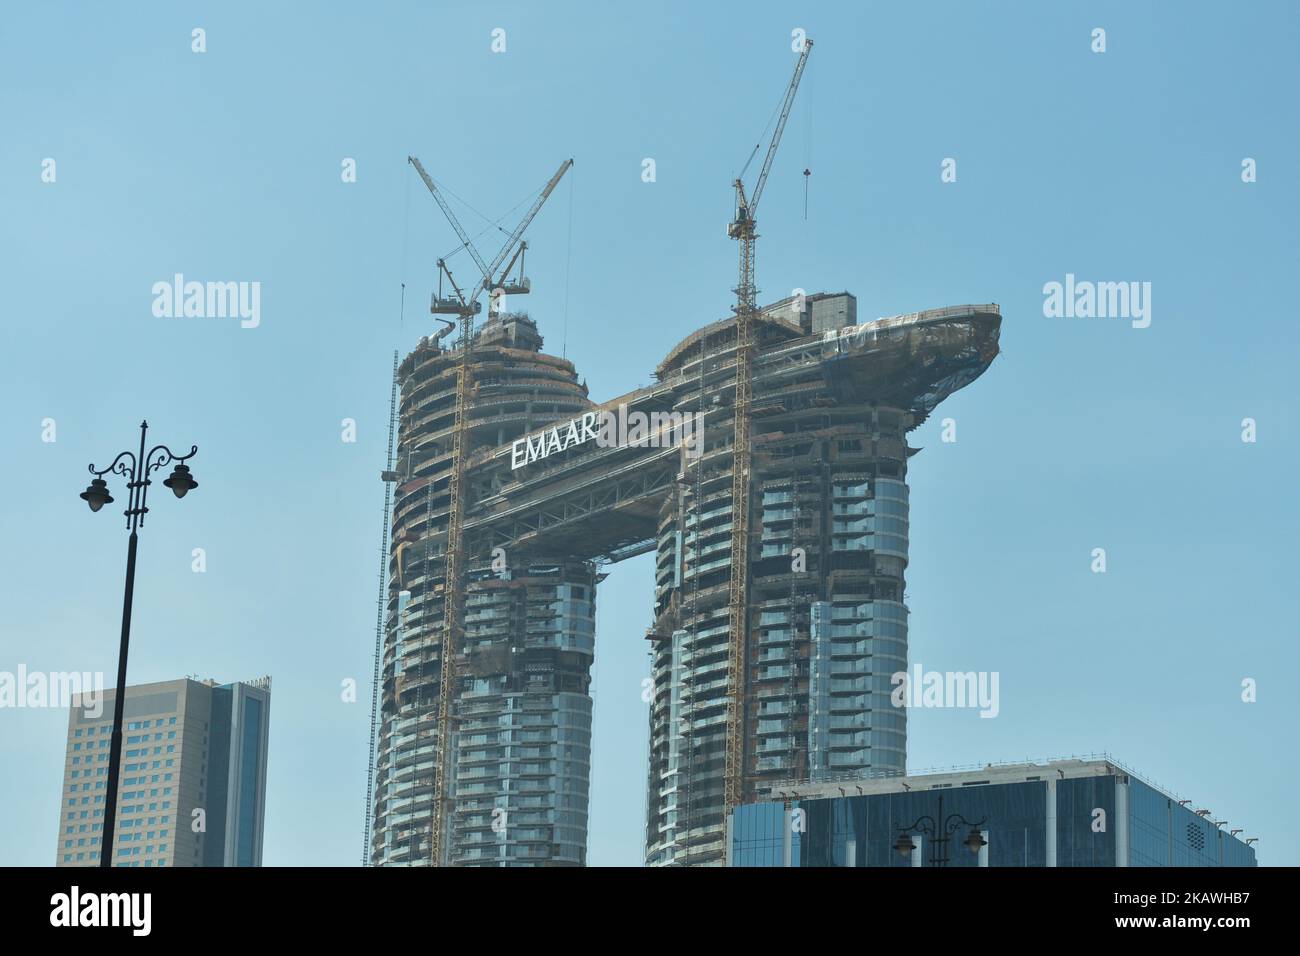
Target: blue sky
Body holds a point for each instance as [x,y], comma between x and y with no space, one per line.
[1086,433]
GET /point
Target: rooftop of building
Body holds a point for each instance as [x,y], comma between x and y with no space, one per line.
[263,682]
[884,781]
[153,687]
[868,782]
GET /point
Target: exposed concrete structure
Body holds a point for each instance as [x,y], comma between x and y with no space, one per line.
[526,664]
[548,501]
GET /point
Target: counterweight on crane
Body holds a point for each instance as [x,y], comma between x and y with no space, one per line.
[742,228]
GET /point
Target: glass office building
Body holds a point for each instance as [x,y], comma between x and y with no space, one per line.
[191,751]
[1063,813]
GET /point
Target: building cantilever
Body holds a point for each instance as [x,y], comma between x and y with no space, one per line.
[833,402]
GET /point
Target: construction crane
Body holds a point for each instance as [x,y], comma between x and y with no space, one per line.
[494,281]
[742,228]
[465,307]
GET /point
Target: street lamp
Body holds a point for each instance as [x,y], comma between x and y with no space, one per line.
[940,835]
[136,469]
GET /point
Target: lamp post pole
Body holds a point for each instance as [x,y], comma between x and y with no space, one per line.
[136,468]
[940,835]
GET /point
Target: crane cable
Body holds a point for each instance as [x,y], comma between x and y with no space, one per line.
[762,136]
[491,224]
[807,146]
[568,259]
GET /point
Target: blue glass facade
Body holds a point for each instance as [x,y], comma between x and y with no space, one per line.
[248,822]
[1078,843]
[236,778]
[1043,819]
[1163,832]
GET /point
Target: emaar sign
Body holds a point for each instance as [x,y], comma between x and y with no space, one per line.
[613,430]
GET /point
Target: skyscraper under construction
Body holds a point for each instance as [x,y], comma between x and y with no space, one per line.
[547,502]
[766,469]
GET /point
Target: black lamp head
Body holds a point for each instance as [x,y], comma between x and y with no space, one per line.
[180,481]
[96,494]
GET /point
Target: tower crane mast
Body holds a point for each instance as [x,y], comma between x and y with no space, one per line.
[465,307]
[742,228]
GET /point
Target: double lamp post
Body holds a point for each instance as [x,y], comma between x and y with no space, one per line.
[940,835]
[136,468]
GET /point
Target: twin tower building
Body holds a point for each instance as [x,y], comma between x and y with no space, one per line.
[548,502]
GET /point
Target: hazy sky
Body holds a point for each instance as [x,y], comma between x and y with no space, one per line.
[1086,433]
